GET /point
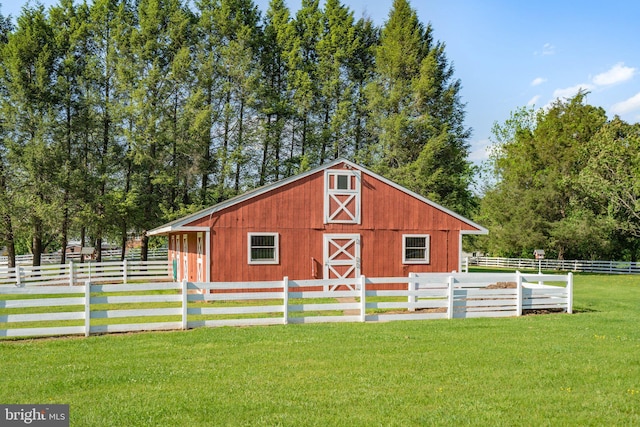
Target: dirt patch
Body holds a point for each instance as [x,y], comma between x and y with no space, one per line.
[534,312]
[502,285]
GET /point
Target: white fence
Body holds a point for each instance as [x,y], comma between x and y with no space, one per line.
[607,267]
[107,255]
[90,309]
[76,273]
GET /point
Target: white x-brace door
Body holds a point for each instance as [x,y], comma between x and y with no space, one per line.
[341,257]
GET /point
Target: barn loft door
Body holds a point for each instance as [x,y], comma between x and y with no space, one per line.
[341,258]
[342,196]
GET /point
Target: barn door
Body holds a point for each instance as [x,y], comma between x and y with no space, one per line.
[185,257]
[177,260]
[175,251]
[341,257]
[200,260]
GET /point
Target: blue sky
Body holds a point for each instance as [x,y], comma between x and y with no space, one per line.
[510,54]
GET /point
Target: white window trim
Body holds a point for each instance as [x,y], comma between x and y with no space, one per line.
[276,243]
[426,260]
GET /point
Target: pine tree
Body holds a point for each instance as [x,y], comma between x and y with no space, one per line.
[6,205]
[417,113]
[275,97]
[156,44]
[336,45]
[29,59]
[303,63]
[69,25]
[237,22]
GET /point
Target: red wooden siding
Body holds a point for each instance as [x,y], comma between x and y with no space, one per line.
[296,212]
[192,257]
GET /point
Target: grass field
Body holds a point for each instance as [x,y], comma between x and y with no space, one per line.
[581,369]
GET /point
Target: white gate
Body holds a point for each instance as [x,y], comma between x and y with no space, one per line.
[341,257]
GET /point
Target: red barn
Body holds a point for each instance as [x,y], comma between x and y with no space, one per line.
[337,220]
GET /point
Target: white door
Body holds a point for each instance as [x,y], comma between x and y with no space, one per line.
[341,257]
[177,260]
[200,258]
[185,257]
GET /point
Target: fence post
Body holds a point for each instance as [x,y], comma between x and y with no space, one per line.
[411,299]
[363,299]
[285,300]
[70,273]
[450,301]
[185,301]
[125,267]
[18,274]
[87,309]
[570,292]
[519,294]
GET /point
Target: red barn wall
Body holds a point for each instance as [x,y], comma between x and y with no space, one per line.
[296,212]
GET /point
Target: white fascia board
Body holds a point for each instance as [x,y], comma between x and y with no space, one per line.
[172,229]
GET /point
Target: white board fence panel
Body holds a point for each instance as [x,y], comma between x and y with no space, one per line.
[78,273]
[582,266]
[30,310]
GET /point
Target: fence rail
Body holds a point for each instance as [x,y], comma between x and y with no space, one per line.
[582,266]
[77,273]
[107,255]
[31,310]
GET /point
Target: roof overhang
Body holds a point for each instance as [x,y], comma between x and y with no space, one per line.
[165,231]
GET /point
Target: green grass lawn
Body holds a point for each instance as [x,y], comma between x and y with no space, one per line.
[558,369]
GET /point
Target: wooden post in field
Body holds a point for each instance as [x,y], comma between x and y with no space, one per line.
[285,300]
[411,299]
[87,309]
[185,301]
[518,294]
[450,301]
[570,293]
[363,299]
[124,271]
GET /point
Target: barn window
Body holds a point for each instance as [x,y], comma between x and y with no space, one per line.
[343,182]
[263,248]
[415,249]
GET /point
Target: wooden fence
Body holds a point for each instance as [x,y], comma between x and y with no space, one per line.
[94,309]
[582,266]
[76,273]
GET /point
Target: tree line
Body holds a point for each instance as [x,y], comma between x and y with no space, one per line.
[119,115]
[565,179]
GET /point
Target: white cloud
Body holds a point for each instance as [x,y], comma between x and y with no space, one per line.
[548,49]
[572,91]
[627,106]
[480,150]
[617,74]
[533,101]
[538,81]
